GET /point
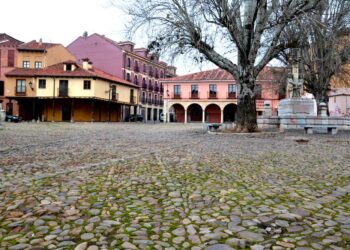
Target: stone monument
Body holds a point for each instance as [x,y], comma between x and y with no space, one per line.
[296,105]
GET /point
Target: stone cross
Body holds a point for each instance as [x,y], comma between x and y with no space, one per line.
[297,84]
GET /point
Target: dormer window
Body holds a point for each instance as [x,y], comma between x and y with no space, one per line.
[69,67]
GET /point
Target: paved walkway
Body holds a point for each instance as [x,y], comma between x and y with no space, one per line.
[143,186]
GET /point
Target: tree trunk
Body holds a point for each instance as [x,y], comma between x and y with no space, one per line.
[246,106]
[246,114]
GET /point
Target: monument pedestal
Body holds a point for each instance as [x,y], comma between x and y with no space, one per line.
[296,107]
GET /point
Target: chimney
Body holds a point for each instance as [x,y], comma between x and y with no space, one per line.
[87,65]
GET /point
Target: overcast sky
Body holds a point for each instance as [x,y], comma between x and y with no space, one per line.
[62,21]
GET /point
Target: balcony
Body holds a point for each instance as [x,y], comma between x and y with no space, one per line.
[150,101]
[194,95]
[132,99]
[161,89]
[20,93]
[212,95]
[156,88]
[144,99]
[151,73]
[114,96]
[161,103]
[137,69]
[177,96]
[150,87]
[232,95]
[63,92]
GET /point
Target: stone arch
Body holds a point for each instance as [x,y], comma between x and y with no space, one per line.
[213,113]
[194,113]
[177,113]
[230,112]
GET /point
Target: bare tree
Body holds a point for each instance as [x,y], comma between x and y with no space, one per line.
[325,46]
[216,28]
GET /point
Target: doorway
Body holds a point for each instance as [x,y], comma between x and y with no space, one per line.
[66,112]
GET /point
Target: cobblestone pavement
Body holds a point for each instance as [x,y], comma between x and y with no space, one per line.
[137,186]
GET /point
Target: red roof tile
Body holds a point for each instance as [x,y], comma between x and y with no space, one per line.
[57,70]
[8,41]
[268,73]
[36,46]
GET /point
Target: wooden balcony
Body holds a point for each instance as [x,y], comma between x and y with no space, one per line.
[63,92]
[212,95]
[232,95]
[132,99]
[194,95]
[21,93]
[177,96]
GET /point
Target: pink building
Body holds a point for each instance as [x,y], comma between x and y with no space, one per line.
[211,96]
[339,102]
[135,65]
[8,61]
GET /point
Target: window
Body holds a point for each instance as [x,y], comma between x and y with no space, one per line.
[87,84]
[212,88]
[42,84]
[232,90]
[128,77]
[114,92]
[26,64]
[21,86]
[136,66]
[144,68]
[11,58]
[136,80]
[38,65]
[194,89]
[2,91]
[68,67]
[177,90]
[129,63]
[161,74]
[144,83]
[258,91]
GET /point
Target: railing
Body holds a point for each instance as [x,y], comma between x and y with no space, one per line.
[63,92]
[24,93]
[177,96]
[151,73]
[144,85]
[157,75]
[133,99]
[161,103]
[161,89]
[194,95]
[114,96]
[144,99]
[156,89]
[150,87]
[137,69]
[149,101]
[212,95]
[232,95]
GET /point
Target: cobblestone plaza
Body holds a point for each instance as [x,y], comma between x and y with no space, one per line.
[163,186]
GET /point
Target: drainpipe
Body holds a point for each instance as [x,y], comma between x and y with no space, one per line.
[53,100]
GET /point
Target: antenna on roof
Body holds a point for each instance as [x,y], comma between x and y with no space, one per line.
[85,34]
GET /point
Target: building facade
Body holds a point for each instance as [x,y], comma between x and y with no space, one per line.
[339,102]
[41,55]
[70,92]
[134,65]
[211,96]
[8,61]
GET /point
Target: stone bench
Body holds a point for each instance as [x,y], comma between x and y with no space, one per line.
[330,129]
[214,126]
